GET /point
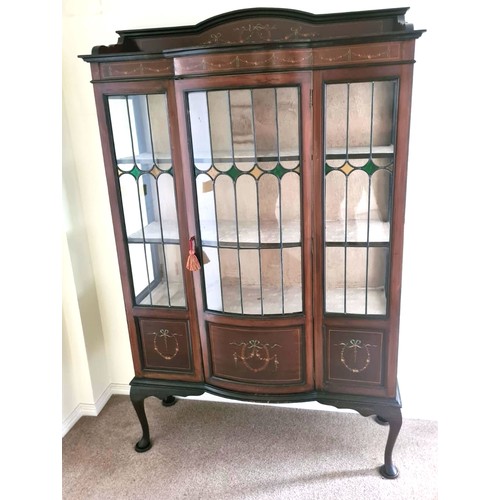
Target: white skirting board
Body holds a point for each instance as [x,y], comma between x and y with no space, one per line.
[92,410]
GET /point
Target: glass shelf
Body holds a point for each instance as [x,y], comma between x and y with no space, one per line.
[357,231]
[153,233]
[360,152]
[355,300]
[248,234]
[256,300]
[142,158]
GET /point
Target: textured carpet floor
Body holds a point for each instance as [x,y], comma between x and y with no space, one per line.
[219,451]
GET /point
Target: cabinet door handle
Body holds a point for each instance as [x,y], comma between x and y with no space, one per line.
[192,263]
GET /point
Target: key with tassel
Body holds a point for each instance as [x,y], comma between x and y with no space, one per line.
[192,263]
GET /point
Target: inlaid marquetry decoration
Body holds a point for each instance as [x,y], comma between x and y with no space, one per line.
[260,32]
[166,343]
[255,355]
[163,67]
[355,355]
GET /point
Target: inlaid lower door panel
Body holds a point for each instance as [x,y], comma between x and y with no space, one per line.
[166,345]
[354,359]
[267,357]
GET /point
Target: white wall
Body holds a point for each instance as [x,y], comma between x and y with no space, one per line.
[436,278]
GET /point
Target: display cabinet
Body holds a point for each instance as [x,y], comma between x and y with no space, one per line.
[256,166]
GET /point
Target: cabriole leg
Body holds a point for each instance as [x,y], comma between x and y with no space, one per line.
[394,418]
[145,443]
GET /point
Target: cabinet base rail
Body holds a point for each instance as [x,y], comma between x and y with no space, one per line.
[387,411]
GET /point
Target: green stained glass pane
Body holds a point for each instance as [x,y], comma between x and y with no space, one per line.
[234,172]
[279,171]
[370,167]
[136,172]
[328,169]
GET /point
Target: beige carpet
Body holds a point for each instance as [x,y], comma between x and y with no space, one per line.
[218,451]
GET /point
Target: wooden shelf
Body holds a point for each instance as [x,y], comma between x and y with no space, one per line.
[360,152]
[271,303]
[153,233]
[272,299]
[248,236]
[145,158]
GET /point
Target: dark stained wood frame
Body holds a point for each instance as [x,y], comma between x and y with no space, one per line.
[244,49]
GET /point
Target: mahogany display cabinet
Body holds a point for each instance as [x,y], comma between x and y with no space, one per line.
[256,166]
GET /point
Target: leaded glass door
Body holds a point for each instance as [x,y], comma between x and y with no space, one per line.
[247,164]
[362,171]
[358,166]
[145,171]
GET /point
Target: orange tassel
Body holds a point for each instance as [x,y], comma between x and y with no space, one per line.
[192,263]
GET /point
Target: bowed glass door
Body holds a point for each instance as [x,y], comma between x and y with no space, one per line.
[246,163]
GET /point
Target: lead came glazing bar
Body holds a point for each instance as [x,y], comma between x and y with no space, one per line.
[258,208]
[160,220]
[280,208]
[235,203]
[346,201]
[369,203]
[215,205]
[140,207]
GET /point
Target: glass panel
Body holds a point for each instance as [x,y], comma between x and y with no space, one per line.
[144,166]
[248,223]
[272,279]
[356,280]
[160,137]
[121,124]
[220,129]
[242,129]
[206,209]
[231,283]
[292,265]
[157,275]
[251,236]
[290,208]
[359,159]
[212,274]
[251,281]
[140,135]
[288,126]
[269,209]
[266,133]
[226,211]
[200,130]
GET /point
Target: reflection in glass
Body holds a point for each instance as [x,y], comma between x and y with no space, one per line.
[157,275]
[144,167]
[248,197]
